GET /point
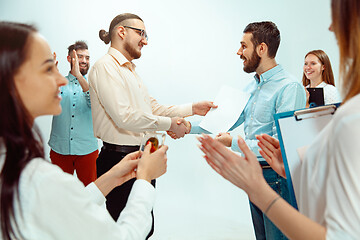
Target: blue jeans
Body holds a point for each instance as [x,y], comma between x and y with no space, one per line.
[264,228]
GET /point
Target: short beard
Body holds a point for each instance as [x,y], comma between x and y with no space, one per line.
[132,52]
[84,71]
[253,63]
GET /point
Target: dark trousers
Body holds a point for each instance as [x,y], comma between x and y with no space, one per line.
[263,226]
[117,198]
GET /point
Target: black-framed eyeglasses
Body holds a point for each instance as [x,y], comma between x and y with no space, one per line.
[141,32]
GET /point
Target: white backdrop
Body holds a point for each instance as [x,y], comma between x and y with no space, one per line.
[191,54]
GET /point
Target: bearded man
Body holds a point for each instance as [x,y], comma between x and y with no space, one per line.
[123,109]
[273,91]
[72,141]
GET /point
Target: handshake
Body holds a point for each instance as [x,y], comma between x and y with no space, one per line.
[179,127]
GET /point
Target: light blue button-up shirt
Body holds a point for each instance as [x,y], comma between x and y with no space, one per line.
[273,92]
[72,131]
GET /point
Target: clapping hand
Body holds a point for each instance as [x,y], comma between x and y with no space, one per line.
[75,64]
[244,172]
[55,60]
[270,151]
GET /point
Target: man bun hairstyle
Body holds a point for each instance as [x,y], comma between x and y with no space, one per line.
[120,19]
[104,36]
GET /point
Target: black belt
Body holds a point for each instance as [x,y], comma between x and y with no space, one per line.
[264,164]
[120,148]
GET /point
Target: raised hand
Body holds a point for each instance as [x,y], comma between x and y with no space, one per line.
[55,60]
[75,65]
[75,70]
[152,165]
[202,108]
[224,138]
[271,152]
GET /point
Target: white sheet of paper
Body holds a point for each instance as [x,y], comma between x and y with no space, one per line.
[231,102]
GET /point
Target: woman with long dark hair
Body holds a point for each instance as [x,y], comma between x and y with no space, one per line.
[329,191]
[38,200]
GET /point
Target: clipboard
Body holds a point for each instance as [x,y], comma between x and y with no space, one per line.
[297,129]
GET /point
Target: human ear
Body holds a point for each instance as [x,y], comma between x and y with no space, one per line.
[121,32]
[261,49]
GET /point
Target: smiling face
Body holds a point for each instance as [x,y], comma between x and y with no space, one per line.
[313,68]
[84,60]
[134,42]
[247,52]
[38,79]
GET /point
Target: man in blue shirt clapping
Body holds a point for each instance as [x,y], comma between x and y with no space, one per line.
[72,141]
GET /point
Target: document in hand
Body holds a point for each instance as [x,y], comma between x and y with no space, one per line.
[231,102]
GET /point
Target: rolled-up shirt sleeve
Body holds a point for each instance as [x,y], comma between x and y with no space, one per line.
[183,110]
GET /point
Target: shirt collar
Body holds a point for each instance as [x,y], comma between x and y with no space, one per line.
[120,58]
[72,78]
[266,76]
[321,85]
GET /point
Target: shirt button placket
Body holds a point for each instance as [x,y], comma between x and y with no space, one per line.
[72,119]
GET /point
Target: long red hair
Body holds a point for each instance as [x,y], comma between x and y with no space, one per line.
[346,26]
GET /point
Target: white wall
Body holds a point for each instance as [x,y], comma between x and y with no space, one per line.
[191,54]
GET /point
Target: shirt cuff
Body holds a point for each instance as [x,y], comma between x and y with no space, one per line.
[95,193]
[185,110]
[143,190]
[234,145]
[164,123]
[196,129]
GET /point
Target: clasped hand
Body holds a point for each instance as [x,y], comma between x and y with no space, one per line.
[199,108]
[179,127]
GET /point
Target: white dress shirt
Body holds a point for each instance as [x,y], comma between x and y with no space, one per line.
[121,106]
[330,191]
[56,205]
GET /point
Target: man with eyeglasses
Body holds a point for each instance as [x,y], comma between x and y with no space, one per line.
[72,141]
[121,107]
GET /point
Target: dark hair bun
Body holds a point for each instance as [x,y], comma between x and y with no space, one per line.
[104,36]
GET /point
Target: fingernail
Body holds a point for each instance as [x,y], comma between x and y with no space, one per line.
[241,140]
